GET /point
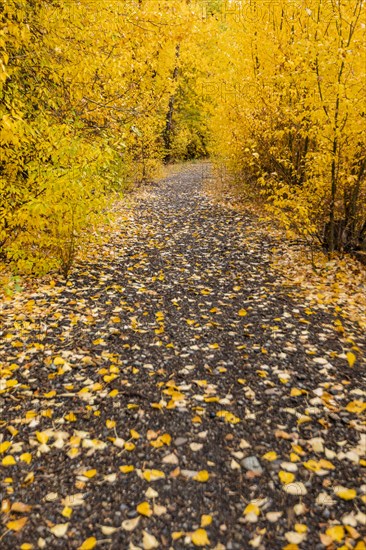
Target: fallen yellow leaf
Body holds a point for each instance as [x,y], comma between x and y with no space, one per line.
[206,520]
[8,460]
[200,538]
[252,509]
[42,437]
[126,469]
[286,477]
[4,446]
[271,455]
[17,524]
[144,509]
[351,358]
[153,475]
[344,493]
[336,533]
[88,544]
[356,407]
[202,476]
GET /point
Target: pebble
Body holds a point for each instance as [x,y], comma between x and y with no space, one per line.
[251,463]
[180,441]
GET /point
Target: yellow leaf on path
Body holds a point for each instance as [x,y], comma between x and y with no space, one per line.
[134,434]
[129,446]
[88,544]
[26,546]
[200,538]
[144,509]
[67,512]
[242,312]
[4,446]
[356,407]
[166,439]
[351,358]
[252,509]
[326,465]
[97,342]
[271,455]
[58,361]
[126,469]
[49,395]
[312,465]
[153,475]
[344,493]
[286,477]
[228,416]
[295,392]
[17,525]
[42,437]
[336,533]
[8,460]
[110,424]
[89,473]
[202,476]
[294,457]
[206,520]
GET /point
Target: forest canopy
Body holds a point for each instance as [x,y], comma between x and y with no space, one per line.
[95,96]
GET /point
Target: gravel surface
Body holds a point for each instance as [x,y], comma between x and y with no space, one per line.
[174,394]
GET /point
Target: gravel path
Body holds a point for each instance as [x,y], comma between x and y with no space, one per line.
[181,396]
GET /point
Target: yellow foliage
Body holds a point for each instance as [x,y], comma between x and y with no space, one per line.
[291,97]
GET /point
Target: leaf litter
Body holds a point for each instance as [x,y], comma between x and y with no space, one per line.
[174,393]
